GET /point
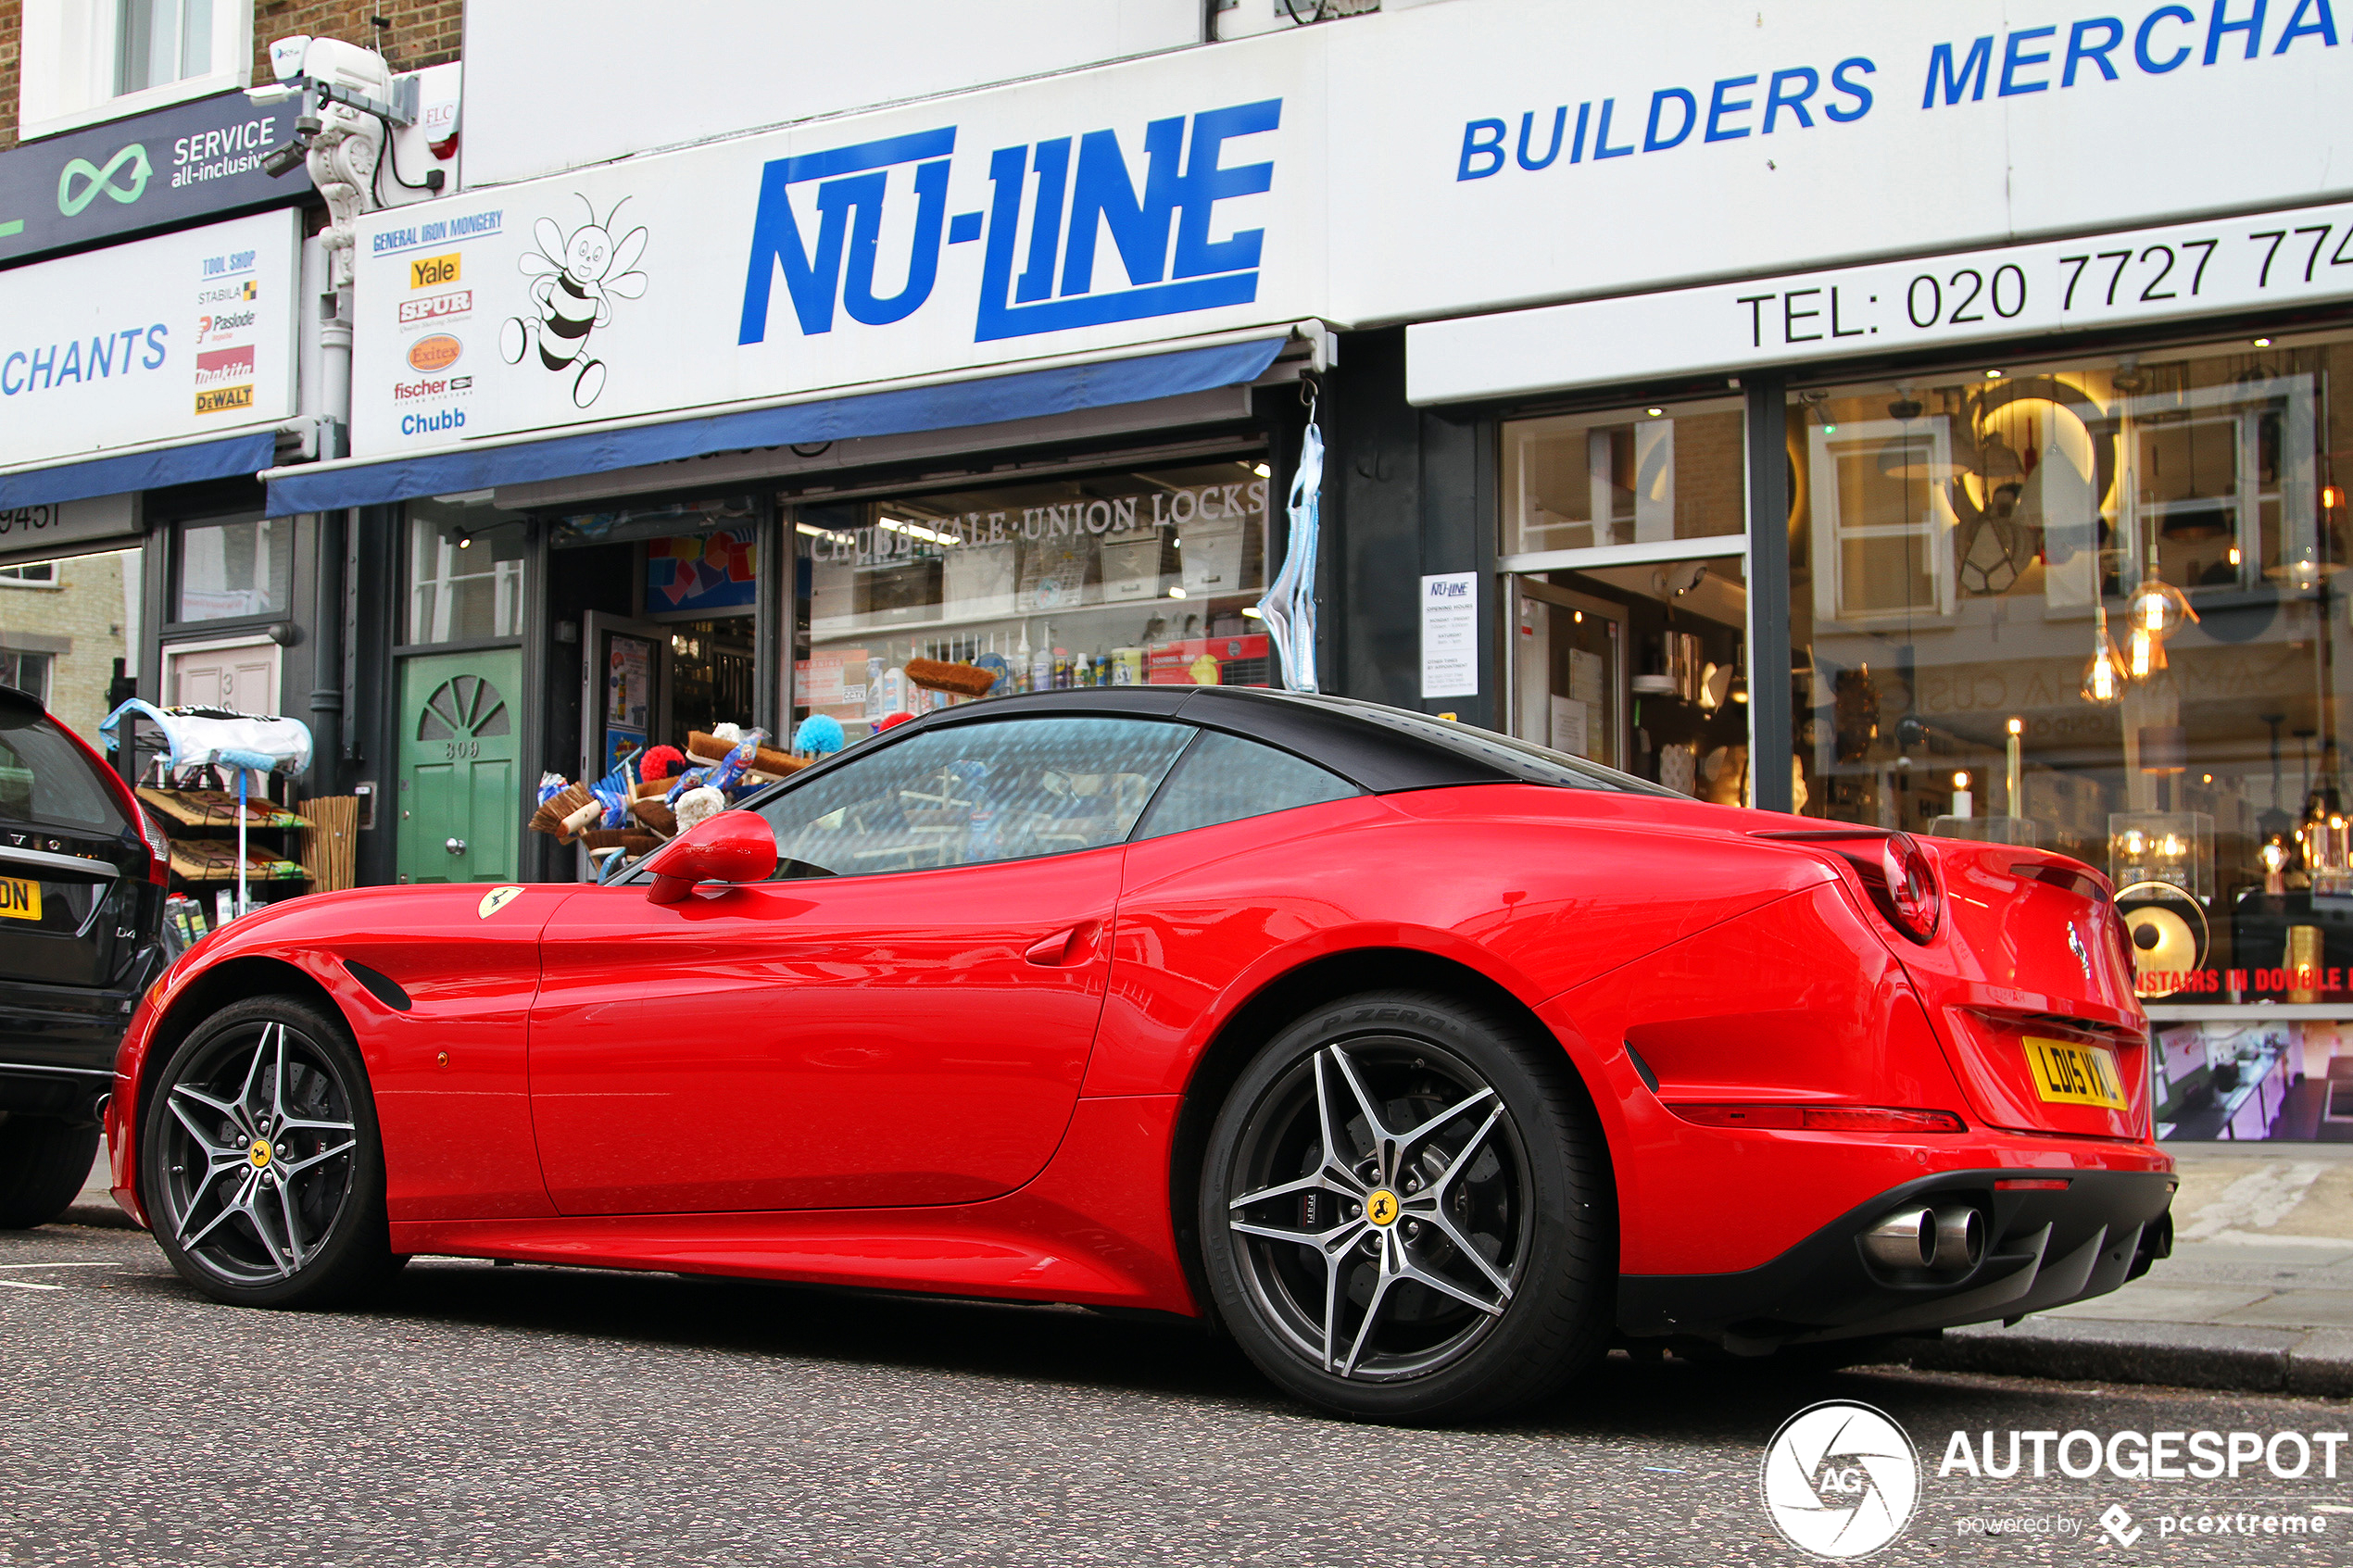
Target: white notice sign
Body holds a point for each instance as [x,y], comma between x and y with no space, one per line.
[1450,635]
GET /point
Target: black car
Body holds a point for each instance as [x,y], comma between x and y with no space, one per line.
[83,872]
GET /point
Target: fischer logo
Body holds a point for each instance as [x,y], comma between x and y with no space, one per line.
[224,365]
[427,424]
[447,306]
[437,352]
[411,391]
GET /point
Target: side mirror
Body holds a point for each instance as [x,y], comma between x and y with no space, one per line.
[734,846]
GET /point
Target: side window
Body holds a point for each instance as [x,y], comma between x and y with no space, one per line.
[1225,778]
[971,794]
[44,778]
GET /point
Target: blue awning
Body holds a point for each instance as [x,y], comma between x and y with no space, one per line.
[989,401]
[245,454]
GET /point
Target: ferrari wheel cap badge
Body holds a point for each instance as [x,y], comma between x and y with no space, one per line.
[1380,1206]
[259,1154]
[497,900]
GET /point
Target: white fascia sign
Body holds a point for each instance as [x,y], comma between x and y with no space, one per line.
[181,337]
[2279,260]
[1117,208]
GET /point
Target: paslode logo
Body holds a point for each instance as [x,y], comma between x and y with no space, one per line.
[436,352]
[1841,1480]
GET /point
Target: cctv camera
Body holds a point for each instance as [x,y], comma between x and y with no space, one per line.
[284,160]
[287,55]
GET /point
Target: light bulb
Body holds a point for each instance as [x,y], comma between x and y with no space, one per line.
[2274,856]
[2144,654]
[1960,781]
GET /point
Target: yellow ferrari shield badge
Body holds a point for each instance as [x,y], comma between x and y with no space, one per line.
[497,900]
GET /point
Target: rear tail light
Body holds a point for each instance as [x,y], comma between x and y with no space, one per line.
[1822,1117]
[1913,899]
[159,846]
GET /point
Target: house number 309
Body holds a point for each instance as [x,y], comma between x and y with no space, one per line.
[454,750]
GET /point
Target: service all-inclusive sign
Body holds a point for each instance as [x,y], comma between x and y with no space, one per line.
[1117,208]
[179,337]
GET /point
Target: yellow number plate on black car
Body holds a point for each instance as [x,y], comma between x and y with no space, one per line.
[20,899]
[2067,1073]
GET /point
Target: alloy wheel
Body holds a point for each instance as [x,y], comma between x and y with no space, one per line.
[1384,1219]
[258,1154]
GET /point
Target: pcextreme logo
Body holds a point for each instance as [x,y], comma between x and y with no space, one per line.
[1083,184]
[1841,1480]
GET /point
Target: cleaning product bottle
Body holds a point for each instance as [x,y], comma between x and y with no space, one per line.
[1041,664]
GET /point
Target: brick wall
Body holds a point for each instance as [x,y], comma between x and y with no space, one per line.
[424,33]
[82,622]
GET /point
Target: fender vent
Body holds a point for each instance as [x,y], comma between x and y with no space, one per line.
[383,987]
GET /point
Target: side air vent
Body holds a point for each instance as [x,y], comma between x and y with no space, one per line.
[383,987]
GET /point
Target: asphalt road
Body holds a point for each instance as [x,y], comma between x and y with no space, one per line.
[534,1416]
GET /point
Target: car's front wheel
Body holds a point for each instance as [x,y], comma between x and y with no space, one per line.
[1407,1212]
[260,1164]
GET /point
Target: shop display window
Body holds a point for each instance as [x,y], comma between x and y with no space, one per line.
[237,567]
[1126,578]
[466,567]
[1631,476]
[2098,606]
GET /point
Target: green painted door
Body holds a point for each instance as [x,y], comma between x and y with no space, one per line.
[461,810]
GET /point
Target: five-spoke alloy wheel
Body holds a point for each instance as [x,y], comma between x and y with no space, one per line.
[1404,1215]
[261,1169]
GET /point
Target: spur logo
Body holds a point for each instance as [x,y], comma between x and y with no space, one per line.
[1070,190]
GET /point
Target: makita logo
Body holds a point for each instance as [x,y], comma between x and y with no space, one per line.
[1061,196]
[224,365]
[437,306]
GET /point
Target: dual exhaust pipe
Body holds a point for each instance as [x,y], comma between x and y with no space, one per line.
[1943,1241]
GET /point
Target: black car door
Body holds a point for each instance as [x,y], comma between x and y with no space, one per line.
[71,864]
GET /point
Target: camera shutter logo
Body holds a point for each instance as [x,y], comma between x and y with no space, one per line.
[1841,1480]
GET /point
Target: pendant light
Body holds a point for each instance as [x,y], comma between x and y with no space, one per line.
[2103,675]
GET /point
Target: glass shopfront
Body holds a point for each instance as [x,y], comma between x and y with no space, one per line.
[2096,604]
[1129,577]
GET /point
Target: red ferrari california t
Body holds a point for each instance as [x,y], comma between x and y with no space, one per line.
[1428,1063]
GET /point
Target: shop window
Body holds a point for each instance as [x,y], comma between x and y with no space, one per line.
[1130,578]
[1629,477]
[28,673]
[161,41]
[35,574]
[973,794]
[1225,779]
[243,566]
[466,573]
[87,60]
[2099,606]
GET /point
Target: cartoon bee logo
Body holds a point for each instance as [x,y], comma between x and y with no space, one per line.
[575,279]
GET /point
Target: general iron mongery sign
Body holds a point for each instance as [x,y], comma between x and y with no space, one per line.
[178,165]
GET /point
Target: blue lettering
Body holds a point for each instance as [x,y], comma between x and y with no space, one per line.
[2141,54]
[1528,124]
[41,367]
[9,364]
[2080,48]
[1489,147]
[1651,141]
[1856,89]
[101,357]
[1940,70]
[2323,26]
[1576,143]
[72,369]
[1719,106]
[2216,26]
[866,236]
[2013,59]
[156,334]
[1103,194]
[1207,183]
[130,336]
[1776,100]
[1052,160]
[814,280]
[1602,148]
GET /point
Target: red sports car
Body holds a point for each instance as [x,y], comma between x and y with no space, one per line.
[1426,1062]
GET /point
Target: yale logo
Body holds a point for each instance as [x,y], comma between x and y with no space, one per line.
[431,271]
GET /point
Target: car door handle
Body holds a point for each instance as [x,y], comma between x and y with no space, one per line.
[1066,950]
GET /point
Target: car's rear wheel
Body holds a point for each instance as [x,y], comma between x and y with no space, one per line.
[44,1161]
[260,1166]
[1407,1212]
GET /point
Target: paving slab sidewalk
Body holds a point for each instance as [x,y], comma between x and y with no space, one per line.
[2257,1295]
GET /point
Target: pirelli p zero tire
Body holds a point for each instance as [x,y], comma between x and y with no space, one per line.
[44,1161]
[260,1164]
[1407,1212]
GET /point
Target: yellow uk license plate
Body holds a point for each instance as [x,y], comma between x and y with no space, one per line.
[20,899]
[2069,1073]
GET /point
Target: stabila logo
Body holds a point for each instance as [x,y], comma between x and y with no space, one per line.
[431,271]
[437,352]
[1073,189]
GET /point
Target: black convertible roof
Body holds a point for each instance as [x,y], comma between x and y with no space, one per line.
[1378,748]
